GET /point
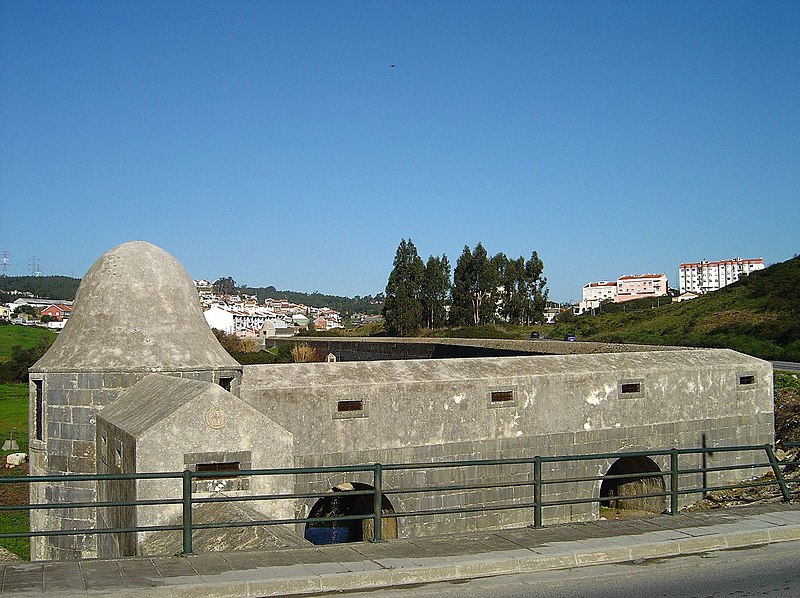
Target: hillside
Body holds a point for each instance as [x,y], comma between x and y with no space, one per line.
[64,287]
[345,305]
[758,315]
[46,287]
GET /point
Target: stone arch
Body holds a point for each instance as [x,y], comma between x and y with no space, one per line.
[339,503]
[641,476]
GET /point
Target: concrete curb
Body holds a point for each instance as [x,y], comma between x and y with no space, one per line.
[271,581]
[402,563]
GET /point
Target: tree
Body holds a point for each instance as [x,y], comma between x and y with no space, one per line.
[402,308]
[24,309]
[536,287]
[474,286]
[16,368]
[435,291]
[225,286]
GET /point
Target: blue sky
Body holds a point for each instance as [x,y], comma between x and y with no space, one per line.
[274,142]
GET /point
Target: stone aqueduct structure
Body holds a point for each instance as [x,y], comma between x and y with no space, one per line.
[137,382]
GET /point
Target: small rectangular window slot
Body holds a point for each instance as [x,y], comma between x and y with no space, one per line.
[226,383]
[218,467]
[630,389]
[747,379]
[501,396]
[349,406]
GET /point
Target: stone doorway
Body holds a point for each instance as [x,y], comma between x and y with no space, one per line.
[338,503]
[640,475]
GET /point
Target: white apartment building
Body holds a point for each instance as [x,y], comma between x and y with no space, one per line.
[234,320]
[594,293]
[705,276]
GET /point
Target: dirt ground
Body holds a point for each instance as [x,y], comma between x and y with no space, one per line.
[13,494]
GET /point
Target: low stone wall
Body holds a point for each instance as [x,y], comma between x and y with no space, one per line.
[727,431]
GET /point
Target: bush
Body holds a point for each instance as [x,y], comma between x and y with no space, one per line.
[16,368]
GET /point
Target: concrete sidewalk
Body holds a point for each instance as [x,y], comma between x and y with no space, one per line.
[357,566]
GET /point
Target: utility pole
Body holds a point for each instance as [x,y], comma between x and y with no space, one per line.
[35,268]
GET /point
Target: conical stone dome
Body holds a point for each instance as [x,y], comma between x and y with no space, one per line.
[136,310]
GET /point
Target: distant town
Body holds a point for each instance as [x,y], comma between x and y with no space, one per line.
[244,316]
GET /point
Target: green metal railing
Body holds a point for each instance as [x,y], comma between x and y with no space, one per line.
[542,473]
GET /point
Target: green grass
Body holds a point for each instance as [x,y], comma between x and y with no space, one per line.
[24,336]
[13,522]
[14,415]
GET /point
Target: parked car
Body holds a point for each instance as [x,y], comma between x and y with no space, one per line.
[570,337]
[535,334]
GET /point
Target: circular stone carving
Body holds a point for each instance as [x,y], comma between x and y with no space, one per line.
[216,417]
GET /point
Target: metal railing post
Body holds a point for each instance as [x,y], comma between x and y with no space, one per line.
[776,469]
[537,491]
[187,511]
[377,502]
[673,481]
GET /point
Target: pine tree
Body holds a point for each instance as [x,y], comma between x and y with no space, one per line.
[402,307]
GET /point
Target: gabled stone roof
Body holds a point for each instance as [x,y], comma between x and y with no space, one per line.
[155,398]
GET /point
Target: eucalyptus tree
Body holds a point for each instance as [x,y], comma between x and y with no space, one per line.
[474,287]
[435,291]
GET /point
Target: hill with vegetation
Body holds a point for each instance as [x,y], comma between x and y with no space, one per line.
[20,348]
[45,287]
[65,287]
[758,315]
[345,305]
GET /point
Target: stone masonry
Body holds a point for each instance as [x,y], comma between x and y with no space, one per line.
[137,314]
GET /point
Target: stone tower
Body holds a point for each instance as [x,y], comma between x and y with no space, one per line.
[136,312]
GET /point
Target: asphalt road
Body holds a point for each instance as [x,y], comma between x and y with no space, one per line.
[786,366]
[772,570]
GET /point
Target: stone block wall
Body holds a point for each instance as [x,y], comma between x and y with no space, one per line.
[69,403]
[720,432]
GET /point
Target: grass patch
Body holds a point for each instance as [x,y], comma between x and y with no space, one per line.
[24,336]
[14,415]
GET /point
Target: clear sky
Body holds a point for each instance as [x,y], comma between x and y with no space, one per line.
[295,143]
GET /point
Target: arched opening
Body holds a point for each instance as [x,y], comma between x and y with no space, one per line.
[637,479]
[353,530]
